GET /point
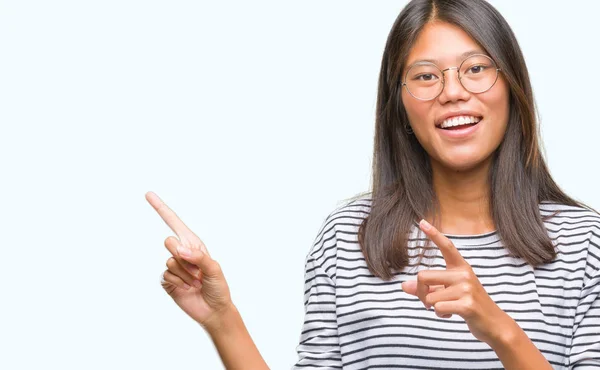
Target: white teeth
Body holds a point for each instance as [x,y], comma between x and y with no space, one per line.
[460,120]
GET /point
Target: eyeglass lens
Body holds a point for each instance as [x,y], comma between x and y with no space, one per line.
[477,74]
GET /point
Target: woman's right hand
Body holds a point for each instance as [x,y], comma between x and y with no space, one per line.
[193,279]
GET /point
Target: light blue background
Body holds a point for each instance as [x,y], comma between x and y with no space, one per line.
[250,119]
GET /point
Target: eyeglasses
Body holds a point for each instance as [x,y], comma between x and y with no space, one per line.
[425,81]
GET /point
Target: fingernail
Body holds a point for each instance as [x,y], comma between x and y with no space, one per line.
[425,225]
[197,284]
[184,251]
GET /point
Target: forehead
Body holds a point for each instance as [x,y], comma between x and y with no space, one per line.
[442,44]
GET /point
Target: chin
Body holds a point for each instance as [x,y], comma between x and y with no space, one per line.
[464,163]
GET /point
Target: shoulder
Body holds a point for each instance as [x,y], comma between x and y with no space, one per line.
[575,231]
[339,230]
[345,217]
[547,207]
[565,220]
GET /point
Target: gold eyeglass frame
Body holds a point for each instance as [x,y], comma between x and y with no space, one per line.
[444,76]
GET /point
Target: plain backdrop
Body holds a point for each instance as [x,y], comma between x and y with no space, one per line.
[252,120]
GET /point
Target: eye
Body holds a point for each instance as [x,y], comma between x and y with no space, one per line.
[426,77]
[477,69]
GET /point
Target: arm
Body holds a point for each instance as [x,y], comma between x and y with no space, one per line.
[464,295]
[233,342]
[319,343]
[516,351]
[196,283]
[585,345]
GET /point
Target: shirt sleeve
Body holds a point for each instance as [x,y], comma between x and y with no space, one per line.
[585,345]
[319,346]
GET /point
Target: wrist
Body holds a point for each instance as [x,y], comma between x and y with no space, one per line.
[223,320]
[507,335]
[515,350]
[233,341]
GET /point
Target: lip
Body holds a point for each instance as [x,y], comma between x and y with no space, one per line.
[460,133]
[442,118]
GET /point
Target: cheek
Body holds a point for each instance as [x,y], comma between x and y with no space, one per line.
[418,112]
[499,103]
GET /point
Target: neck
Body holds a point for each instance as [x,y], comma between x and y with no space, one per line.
[464,199]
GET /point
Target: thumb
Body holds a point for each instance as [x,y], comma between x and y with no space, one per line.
[208,266]
[410,287]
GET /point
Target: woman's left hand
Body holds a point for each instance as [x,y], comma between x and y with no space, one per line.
[457,290]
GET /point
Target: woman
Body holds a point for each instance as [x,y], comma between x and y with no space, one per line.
[512,278]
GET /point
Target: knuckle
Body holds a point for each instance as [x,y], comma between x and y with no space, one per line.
[469,306]
[171,263]
[465,274]
[466,288]
[214,269]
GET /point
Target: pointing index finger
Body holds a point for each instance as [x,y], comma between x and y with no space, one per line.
[170,218]
[451,255]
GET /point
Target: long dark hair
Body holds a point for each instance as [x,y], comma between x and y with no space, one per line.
[402,189]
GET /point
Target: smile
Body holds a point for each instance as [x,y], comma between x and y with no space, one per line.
[459,127]
[456,121]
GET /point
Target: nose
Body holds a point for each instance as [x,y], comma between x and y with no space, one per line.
[453,89]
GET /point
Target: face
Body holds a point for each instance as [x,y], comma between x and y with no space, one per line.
[467,148]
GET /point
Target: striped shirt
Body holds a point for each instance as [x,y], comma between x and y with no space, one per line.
[354,320]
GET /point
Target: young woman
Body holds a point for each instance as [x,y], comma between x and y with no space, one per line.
[512,278]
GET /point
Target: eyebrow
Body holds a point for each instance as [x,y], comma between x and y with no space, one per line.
[461,56]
